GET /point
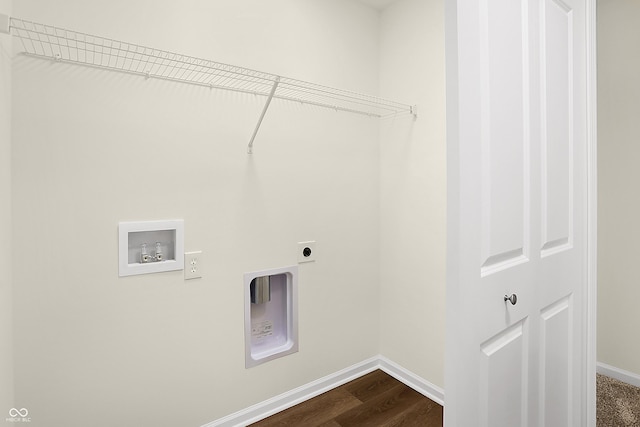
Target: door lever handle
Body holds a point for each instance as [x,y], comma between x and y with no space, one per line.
[513,299]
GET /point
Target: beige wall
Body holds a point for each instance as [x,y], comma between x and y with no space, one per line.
[618,178]
[92,148]
[413,189]
[6,340]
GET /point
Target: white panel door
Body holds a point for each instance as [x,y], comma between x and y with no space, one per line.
[517,185]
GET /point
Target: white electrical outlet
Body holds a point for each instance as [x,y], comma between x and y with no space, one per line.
[192,265]
[306,251]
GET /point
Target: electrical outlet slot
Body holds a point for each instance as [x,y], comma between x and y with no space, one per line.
[192,265]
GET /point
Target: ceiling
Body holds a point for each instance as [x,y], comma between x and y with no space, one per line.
[378,4]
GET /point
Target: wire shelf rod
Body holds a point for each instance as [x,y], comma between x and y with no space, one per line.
[336,107]
[137,56]
[47,41]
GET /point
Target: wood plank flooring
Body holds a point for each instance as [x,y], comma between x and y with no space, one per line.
[374,400]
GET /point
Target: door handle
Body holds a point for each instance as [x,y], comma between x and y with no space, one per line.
[513,299]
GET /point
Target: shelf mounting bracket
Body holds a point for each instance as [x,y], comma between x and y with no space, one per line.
[264,111]
[5,24]
[414,111]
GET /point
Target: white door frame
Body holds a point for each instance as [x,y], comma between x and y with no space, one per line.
[589,398]
[592,215]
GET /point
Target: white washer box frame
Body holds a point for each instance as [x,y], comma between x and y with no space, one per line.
[128,227]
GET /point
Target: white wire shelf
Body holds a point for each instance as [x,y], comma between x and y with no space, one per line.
[60,44]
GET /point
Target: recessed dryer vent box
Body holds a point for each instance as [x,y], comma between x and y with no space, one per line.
[150,247]
[271,314]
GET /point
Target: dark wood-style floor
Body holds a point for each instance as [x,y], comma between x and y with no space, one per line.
[375,400]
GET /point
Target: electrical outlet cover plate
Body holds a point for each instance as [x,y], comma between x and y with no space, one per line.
[306,251]
[192,265]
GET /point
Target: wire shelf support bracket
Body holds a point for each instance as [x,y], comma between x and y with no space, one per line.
[4,24]
[264,111]
[62,45]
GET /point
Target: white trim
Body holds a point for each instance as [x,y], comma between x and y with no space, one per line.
[293,397]
[410,379]
[453,246]
[618,374]
[298,395]
[592,216]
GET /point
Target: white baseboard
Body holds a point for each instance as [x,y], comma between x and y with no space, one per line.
[619,374]
[291,398]
[298,395]
[417,383]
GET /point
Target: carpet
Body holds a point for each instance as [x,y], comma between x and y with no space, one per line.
[618,403]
